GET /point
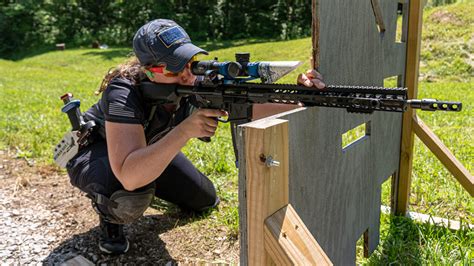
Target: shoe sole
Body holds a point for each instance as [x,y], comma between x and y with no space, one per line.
[111,252]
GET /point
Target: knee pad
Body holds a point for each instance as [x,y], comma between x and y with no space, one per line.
[123,207]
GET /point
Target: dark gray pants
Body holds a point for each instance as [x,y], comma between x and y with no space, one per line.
[181,183]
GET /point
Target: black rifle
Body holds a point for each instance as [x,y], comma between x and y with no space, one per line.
[222,89]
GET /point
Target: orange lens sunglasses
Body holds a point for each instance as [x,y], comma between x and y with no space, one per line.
[162,69]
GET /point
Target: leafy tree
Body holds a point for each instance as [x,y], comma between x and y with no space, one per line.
[26,24]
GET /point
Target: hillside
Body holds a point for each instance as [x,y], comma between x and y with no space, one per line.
[447,52]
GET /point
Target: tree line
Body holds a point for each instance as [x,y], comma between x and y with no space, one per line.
[29,24]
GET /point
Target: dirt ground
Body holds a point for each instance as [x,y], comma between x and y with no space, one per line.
[45,220]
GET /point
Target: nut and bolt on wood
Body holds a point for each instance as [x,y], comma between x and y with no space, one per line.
[268,160]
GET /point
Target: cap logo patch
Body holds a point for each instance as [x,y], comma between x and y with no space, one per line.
[172,36]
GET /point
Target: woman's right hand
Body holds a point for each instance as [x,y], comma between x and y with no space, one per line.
[202,123]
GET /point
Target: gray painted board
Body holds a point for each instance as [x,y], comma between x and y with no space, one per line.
[337,191]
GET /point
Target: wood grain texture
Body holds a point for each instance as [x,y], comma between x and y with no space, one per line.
[443,154]
[289,242]
[345,187]
[415,19]
[378,15]
[336,192]
[267,187]
[242,165]
[315,34]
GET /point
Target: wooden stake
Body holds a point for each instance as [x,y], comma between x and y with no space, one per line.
[415,17]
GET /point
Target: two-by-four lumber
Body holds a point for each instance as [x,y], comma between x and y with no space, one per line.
[444,155]
[267,193]
[289,242]
[266,185]
[415,18]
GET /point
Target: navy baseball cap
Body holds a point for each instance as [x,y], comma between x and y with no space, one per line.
[163,41]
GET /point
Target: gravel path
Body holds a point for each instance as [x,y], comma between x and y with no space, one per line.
[44,220]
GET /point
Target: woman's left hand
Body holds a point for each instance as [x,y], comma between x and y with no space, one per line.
[311,78]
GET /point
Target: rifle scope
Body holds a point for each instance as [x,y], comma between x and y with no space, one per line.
[230,70]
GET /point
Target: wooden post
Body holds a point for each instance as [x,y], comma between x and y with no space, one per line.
[415,17]
[267,186]
[315,34]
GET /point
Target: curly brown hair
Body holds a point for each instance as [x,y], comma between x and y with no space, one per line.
[131,69]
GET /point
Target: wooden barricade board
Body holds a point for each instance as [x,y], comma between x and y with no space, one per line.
[336,191]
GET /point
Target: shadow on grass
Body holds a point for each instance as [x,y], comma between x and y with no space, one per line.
[146,247]
[400,243]
[20,55]
[106,54]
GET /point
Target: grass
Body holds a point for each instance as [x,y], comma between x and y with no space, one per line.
[447,38]
[32,123]
[405,242]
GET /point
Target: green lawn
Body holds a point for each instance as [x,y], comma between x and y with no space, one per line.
[32,123]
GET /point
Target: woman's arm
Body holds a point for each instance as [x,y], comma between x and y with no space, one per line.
[135,164]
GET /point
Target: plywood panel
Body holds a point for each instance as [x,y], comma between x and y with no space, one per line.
[336,192]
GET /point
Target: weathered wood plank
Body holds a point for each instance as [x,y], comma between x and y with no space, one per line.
[242,165]
[415,18]
[315,34]
[378,15]
[337,192]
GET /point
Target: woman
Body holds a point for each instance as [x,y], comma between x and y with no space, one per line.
[139,155]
